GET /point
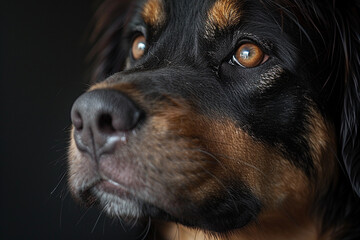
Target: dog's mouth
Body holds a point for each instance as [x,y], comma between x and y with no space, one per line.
[120,201]
[101,184]
[109,186]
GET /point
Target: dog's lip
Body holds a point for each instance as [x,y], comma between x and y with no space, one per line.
[110,182]
[113,187]
[110,186]
[113,183]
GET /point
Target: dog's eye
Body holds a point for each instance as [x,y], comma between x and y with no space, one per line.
[138,47]
[249,55]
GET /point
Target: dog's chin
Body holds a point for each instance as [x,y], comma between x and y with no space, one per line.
[116,200]
[114,206]
[120,203]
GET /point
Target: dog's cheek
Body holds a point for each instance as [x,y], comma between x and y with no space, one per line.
[246,179]
[239,159]
[263,169]
[322,144]
[230,155]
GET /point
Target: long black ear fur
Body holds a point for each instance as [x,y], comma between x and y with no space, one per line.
[109,51]
[349,30]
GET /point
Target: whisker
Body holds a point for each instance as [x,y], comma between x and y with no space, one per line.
[121,223]
[135,221]
[146,230]
[229,158]
[58,184]
[104,226]
[82,217]
[97,220]
[212,156]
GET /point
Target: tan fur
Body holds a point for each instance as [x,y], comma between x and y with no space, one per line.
[284,231]
[153,13]
[222,15]
[322,142]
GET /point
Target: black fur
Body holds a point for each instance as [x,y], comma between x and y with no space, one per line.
[320,55]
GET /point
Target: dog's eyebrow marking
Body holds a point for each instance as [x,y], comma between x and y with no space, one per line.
[223,14]
[153,13]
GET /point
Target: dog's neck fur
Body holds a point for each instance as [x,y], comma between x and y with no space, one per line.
[291,222]
[294,224]
[256,231]
[298,224]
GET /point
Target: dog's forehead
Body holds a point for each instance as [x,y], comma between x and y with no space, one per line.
[184,26]
[219,14]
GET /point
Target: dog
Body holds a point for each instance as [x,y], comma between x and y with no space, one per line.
[223,119]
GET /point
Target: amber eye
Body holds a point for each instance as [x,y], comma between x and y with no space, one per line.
[249,55]
[138,47]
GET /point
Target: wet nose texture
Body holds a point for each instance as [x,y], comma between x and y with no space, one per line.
[101,119]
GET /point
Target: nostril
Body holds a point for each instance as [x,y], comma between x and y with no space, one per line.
[77,121]
[100,115]
[105,123]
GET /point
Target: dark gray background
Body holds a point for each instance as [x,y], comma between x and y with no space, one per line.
[43,45]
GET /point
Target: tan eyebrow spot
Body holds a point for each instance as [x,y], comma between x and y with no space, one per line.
[223,14]
[153,13]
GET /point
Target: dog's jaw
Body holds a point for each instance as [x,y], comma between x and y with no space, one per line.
[118,207]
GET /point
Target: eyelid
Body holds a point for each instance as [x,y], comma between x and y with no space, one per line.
[263,47]
[264,44]
[135,32]
[140,29]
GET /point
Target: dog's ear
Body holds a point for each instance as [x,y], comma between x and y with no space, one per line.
[109,51]
[349,31]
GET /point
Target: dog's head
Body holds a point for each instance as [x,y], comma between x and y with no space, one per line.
[219,113]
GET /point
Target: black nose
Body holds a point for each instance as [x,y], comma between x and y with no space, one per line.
[101,119]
